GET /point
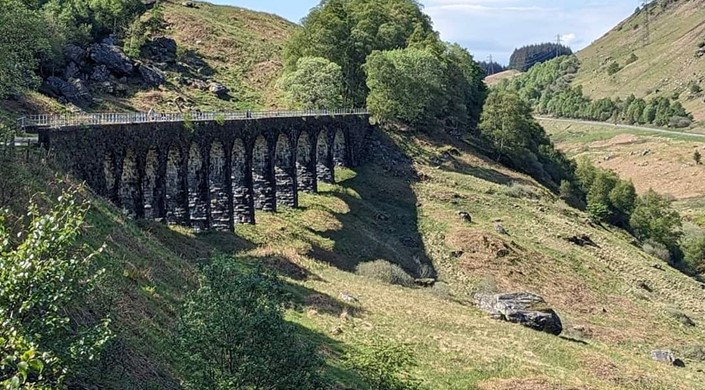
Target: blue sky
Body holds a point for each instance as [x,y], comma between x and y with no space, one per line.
[496,27]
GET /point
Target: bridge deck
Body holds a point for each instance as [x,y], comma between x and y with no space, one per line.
[31,122]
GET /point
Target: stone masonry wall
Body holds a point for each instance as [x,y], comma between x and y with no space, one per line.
[212,176]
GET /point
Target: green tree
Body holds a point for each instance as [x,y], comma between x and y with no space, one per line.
[405,85]
[316,83]
[507,121]
[654,219]
[23,38]
[346,32]
[622,199]
[232,334]
[694,253]
[598,197]
[42,276]
[465,90]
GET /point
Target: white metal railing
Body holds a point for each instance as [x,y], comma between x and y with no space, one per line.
[82,119]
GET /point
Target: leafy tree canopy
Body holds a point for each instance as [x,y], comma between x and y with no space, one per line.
[316,83]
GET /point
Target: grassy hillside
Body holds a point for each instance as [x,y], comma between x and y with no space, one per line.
[498,77]
[664,67]
[615,306]
[239,48]
[660,161]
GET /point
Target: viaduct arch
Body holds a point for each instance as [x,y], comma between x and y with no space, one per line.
[209,175]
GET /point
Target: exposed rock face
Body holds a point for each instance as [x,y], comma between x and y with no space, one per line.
[151,76]
[100,74]
[111,56]
[74,53]
[162,49]
[73,91]
[527,309]
[71,71]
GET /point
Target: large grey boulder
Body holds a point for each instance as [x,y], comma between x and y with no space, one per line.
[151,76]
[111,56]
[666,356]
[218,88]
[74,53]
[526,309]
[74,90]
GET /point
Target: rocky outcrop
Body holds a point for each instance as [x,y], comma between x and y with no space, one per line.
[161,49]
[152,77]
[73,91]
[74,53]
[111,56]
[526,309]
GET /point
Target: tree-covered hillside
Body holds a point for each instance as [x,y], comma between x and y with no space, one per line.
[524,58]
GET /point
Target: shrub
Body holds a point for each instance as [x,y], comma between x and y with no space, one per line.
[220,119]
[657,250]
[232,334]
[384,366]
[697,157]
[679,122]
[694,88]
[516,190]
[613,68]
[654,219]
[40,278]
[632,59]
[701,45]
[188,122]
[694,253]
[386,272]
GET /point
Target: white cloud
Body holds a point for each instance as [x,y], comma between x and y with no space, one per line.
[567,39]
[497,27]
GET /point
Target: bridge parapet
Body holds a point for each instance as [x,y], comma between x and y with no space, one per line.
[110,118]
[209,174]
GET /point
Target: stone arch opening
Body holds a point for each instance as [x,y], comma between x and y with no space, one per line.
[284,172]
[149,184]
[305,164]
[340,149]
[176,212]
[111,174]
[129,192]
[263,176]
[324,163]
[218,184]
[241,180]
[197,202]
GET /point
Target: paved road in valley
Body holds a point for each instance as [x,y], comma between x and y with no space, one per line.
[640,128]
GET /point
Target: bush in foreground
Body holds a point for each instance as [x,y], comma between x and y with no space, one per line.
[232,335]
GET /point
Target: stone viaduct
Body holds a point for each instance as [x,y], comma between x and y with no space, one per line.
[208,175]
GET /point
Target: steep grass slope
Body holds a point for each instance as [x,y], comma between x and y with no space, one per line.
[664,67]
[238,48]
[616,307]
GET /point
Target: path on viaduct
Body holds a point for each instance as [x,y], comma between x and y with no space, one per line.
[209,173]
